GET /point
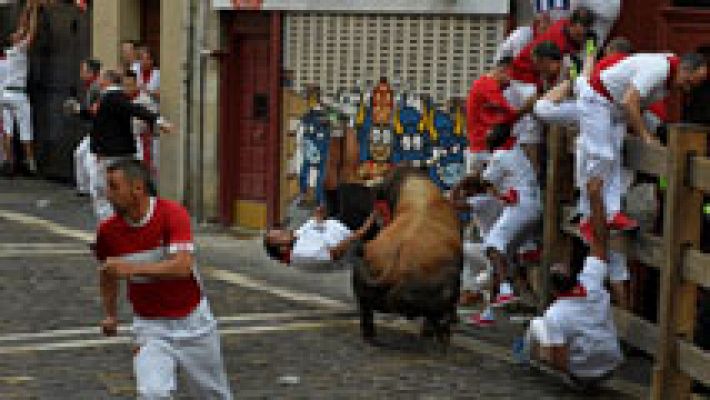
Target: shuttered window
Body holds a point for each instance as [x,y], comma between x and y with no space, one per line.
[438,55]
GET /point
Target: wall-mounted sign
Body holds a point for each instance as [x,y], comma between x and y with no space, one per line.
[494,7]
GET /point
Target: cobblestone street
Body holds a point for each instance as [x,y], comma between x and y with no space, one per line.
[286,334]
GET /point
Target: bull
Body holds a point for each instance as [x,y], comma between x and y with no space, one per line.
[413,266]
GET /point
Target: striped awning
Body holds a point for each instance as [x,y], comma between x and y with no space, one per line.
[492,7]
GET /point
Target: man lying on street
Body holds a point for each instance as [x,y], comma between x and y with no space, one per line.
[317,243]
[576,335]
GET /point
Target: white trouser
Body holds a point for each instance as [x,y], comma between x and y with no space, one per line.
[84,162]
[539,333]
[599,149]
[618,269]
[18,109]
[475,162]
[527,129]
[564,112]
[191,344]
[475,261]
[8,122]
[513,226]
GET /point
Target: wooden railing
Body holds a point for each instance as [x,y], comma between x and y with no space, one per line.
[683,267]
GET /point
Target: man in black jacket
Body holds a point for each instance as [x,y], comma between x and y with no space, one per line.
[112,136]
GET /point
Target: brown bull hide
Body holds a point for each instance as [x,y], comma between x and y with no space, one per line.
[422,242]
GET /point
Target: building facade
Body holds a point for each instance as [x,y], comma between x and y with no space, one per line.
[273,50]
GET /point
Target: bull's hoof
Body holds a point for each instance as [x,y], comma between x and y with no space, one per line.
[428,330]
[373,341]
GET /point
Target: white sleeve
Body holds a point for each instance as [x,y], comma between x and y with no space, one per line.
[653,75]
[515,42]
[154,84]
[495,171]
[593,273]
[478,202]
[24,44]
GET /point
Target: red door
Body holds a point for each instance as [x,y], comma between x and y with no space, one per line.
[253,120]
[250,123]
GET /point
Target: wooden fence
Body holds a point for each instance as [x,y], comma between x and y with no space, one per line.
[683,268]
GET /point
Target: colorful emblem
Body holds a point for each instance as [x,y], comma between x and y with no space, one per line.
[448,164]
[315,130]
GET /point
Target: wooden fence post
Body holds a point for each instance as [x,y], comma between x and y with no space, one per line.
[556,246]
[681,230]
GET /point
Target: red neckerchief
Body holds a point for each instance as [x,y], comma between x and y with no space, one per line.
[286,257]
[146,75]
[675,66]
[90,81]
[577,292]
[134,96]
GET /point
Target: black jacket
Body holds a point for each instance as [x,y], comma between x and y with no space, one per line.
[112,135]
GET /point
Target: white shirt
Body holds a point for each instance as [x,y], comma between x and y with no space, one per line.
[16,65]
[153,83]
[514,43]
[586,325]
[485,210]
[647,72]
[511,169]
[315,239]
[3,74]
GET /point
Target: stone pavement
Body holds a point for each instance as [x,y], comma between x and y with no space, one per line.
[287,334]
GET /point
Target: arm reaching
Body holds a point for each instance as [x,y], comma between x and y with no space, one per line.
[632,107]
[108,285]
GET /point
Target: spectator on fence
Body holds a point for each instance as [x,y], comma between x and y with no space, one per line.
[616,95]
[486,107]
[521,37]
[576,335]
[538,64]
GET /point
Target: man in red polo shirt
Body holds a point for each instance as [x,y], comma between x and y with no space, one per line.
[148,243]
[486,107]
[537,65]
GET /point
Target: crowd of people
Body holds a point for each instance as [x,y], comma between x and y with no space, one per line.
[562,69]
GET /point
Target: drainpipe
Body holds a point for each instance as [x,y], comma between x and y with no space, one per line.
[200,210]
[187,104]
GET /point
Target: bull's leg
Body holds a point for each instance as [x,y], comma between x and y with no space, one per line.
[428,327]
[443,329]
[367,324]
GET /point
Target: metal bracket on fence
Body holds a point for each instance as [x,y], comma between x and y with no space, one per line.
[687,177]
